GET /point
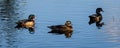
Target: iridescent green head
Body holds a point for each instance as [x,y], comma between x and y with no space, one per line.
[31,17]
[99,10]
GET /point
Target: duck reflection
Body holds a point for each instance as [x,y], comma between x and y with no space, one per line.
[99,25]
[96,18]
[31,30]
[27,23]
[67,34]
[62,29]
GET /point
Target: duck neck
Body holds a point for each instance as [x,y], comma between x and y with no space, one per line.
[69,26]
[98,13]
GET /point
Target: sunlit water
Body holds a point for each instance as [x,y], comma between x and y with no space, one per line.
[54,12]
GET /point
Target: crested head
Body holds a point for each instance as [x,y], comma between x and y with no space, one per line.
[99,10]
[68,23]
[31,17]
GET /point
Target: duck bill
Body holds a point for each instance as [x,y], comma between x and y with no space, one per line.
[102,11]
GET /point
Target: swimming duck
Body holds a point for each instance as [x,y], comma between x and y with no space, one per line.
[26,23]
[96,17]
[62,28]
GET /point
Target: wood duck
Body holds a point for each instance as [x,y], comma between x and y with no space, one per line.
[26,23]
[96,17]
[66,27]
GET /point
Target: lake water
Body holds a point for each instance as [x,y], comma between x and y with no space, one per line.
[55,12]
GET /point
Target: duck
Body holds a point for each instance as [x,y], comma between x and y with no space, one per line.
[96,18]
[62,28]
[26,23]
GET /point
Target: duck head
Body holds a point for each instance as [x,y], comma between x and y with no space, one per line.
[98,10]
[31,17]
[68,23]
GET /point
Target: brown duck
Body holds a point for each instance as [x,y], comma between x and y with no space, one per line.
[62,28]
[26,23]
[96,17]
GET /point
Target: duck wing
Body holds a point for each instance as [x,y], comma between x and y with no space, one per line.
[22,21]
[56,26]
[93,15]
[100,17]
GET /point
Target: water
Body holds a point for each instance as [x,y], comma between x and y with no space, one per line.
[54,12]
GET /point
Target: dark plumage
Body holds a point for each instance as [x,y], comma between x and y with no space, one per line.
[96,18]
[66,27]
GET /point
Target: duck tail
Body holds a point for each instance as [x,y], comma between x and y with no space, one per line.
[89,16]
[17,27]
[49,26]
